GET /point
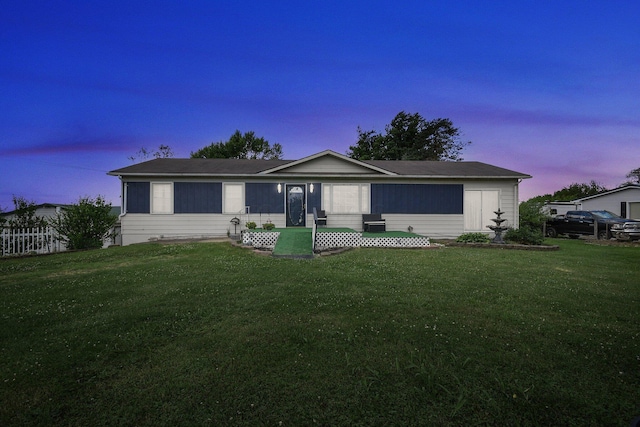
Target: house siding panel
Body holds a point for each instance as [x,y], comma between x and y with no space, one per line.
[263,197]
[143,228]
[138,198]
[327,165]
[197,197]
[612,202]
[434,199]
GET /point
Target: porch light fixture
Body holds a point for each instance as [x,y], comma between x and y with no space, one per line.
[279,188]
[311,188]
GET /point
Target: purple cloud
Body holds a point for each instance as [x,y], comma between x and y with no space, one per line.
[75,144]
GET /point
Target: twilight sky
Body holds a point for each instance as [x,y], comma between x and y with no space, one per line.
[546,88]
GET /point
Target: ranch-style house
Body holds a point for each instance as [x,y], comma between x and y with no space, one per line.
[181,198]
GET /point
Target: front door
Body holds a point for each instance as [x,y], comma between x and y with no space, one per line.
[296,205]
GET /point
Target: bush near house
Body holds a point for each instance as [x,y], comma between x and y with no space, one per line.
[473,238]
[86,224]
[524,236]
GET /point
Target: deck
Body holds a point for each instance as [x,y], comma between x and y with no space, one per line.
[303,243]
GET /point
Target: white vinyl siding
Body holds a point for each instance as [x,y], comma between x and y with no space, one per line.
[161,198]
[233,198]
[479,208]
[346,198]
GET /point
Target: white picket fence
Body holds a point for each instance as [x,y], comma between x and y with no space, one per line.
[29,241]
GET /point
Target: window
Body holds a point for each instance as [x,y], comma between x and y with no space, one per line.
[233,198]
[346,198]
[161,198]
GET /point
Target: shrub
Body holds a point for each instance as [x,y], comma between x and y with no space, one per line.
[531,215]
[268,226]
[524,236]
[473,238]
[85,224]
[251,225]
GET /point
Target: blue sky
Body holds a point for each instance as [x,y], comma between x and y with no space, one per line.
[547,88]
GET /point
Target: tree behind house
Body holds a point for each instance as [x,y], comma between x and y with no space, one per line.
[240,146]
[410,137]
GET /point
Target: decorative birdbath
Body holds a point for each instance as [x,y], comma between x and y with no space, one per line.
[498,228]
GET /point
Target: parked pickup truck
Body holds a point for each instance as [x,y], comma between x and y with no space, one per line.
[575,223]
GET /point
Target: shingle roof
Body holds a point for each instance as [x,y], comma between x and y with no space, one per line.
[445,169]
[199,167]
[245,167]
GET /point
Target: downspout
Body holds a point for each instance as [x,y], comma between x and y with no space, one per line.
[123,195]
[517,202]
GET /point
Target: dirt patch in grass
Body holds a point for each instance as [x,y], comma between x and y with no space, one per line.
[513,246]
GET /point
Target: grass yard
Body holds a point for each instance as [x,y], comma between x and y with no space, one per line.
[211,334]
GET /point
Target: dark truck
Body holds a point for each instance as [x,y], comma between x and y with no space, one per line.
[602,224]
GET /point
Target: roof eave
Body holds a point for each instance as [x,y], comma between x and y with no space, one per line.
[298,175]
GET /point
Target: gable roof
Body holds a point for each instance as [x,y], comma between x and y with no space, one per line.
[40,206]
[446,169]
[615,190]
[356,165]
[311,165]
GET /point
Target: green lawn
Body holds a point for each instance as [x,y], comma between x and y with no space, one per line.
[211,334]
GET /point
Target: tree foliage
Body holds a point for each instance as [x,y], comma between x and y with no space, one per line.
[530,214]
[573,192]
[86,224]
[162,152]
[578,191]
[240,146]
[532,218]
[25,214]
[634,175]
[410,137]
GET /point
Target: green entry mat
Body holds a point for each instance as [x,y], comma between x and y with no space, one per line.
[294,243]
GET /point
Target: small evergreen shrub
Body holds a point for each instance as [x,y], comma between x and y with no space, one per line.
[524,236]
[268,226]
[251,225]
[473,238]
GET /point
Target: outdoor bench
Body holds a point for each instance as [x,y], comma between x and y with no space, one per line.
[373,223]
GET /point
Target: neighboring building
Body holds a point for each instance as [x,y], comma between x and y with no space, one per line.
[559,208]
[44,210]
[166,198]
[624,201]
[51,210]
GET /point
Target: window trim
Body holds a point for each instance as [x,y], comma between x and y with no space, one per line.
[328,194]
[242,197]
[152,207]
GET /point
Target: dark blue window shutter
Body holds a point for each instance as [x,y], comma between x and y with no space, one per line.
[417,198]
[263,197]
[197,197]
[138,198]
[314,199]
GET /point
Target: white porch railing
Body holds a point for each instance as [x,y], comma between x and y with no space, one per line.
[29,240]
